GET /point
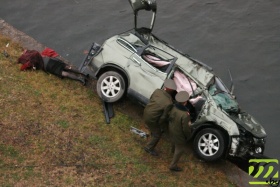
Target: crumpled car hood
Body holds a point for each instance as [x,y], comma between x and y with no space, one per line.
[250,124]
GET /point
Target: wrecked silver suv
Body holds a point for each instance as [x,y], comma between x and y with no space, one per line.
[135,63]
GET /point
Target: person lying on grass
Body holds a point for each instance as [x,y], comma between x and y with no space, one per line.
[49,62]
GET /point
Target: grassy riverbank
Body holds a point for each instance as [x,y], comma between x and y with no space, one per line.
[53,133]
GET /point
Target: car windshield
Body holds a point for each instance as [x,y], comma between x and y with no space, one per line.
[222,97]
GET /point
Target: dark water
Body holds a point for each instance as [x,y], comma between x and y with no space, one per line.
[243,36]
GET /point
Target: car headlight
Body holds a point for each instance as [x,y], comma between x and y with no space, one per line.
[258,150]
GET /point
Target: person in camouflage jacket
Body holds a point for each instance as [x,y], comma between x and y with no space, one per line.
[179,128]
[156,114]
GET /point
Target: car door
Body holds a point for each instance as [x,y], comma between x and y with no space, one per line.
[144,78]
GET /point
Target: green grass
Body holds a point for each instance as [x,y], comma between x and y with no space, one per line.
[9,151]
[53,133]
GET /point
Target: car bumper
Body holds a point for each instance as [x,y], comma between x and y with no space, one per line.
[239,147]
[87,66]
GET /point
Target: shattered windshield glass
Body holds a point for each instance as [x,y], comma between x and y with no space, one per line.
[222,97]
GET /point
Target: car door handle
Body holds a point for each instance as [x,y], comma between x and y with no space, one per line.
[135,60]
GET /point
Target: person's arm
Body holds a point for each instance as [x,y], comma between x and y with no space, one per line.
[25,66]
[164,117]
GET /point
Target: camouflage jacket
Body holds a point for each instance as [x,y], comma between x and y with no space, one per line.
[156,111]
[179,129]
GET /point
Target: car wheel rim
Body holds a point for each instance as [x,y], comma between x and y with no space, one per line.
[209,144]
[110,86]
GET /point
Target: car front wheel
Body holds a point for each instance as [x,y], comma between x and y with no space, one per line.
[111,86]
[209,144]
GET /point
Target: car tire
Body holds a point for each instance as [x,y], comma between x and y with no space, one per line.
[110,86]
[209,144]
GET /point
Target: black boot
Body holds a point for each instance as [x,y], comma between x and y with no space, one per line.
[75,77]
[75,71]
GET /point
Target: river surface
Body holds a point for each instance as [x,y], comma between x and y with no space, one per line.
[243,36]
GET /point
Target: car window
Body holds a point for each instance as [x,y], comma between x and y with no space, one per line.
[126,45]
[132,40]
[222,97]
[157,58]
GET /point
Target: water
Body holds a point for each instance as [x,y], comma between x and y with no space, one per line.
[243,36]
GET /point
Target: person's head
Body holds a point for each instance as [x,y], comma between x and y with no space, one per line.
[182,97]
[169,86]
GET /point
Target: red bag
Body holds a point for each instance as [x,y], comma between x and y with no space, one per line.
[49,52]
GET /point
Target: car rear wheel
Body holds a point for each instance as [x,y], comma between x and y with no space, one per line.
[209,144]
[111,86]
